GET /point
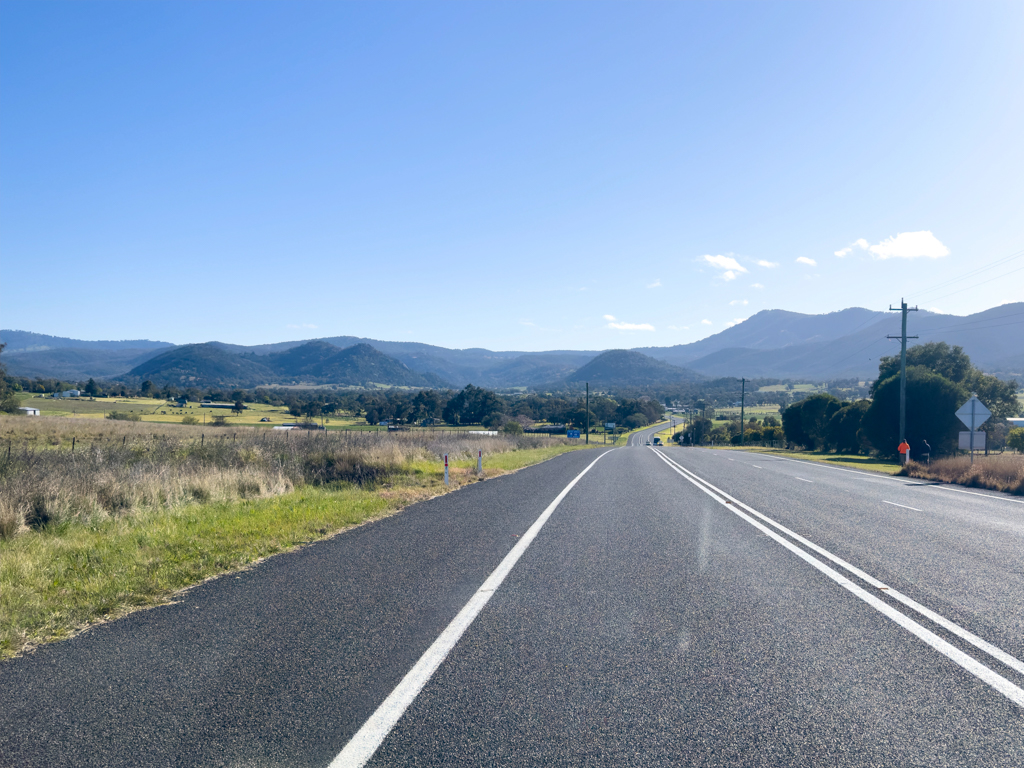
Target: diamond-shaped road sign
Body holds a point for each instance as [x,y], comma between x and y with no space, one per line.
[973,413]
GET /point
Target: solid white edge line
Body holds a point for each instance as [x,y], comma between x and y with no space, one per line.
[973,493]
[368,739]
[819,465]
[903,506]
[983,645]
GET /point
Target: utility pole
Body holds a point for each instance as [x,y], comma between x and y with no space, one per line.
[588,413]
[903,365]
[743,403]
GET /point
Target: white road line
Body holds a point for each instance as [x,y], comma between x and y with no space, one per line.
[983,645]
[756,467]
[818,465]
[806,481]
[904,506]
[368,738]
[972,493]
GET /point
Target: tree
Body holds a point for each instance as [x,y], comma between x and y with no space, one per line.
[8,400]
[515,428]
[1015,440]
[843,433]
[91,389]
[953,363]
[806,422]
[148,389]
[931,404]
[238,407]
[636,420]
[937,356]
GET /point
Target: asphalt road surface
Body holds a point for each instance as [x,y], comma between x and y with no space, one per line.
[628,606]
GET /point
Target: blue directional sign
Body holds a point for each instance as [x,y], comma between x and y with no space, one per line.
[575,433]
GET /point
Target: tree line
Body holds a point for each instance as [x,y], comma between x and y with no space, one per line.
[940,379]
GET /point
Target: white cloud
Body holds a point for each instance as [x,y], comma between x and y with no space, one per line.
[734,302]
[737,321]
[609,317]
[808,262]
[705,322]
[859,243]
[631,326]
[727,263]
[527,322]
[910,245]
[655,284]
[757,285]
[769,264]
[301,325]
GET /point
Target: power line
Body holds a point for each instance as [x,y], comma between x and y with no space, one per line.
[998,262]
[983,282]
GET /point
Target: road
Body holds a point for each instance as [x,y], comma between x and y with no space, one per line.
[674,606]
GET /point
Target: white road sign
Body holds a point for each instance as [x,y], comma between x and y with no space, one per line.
[973,413]
[972,442]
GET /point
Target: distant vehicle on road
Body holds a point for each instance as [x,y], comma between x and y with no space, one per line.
[657,441]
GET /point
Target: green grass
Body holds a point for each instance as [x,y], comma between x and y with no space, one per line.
[58,580]
[853,461]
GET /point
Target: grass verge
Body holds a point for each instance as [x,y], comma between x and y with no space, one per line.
[62,578]
[850,460]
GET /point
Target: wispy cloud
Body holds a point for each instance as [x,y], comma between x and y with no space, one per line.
[768,264]
[528,322]
[756,285]
[731,268]
[705,322]
[609,317]
[737,321]
[734,302]
[808,262]
[910,245]
[631,326]
[860,243]
[655,284]
[301,326]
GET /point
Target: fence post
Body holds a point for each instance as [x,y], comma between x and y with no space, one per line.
[480,462]
[72,444]
[446,469]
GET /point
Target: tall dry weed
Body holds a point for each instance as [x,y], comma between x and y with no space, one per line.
[1004,472]
[121,468]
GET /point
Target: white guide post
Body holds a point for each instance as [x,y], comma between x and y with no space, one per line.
[480,462]
[446,469]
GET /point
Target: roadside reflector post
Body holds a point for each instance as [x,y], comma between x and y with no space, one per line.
[446,469]
[480,462]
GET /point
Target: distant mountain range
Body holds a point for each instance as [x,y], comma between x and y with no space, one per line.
[770,344]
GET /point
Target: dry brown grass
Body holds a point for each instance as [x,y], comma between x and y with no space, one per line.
[121,468]
[1003,472]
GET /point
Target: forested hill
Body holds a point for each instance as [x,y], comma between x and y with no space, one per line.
[316,362]
[626,368]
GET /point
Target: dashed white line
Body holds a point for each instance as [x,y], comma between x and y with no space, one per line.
[756,467]
[368,738]
[806,481]
[904,506]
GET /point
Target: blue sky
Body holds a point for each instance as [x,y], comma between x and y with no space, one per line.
[505,175]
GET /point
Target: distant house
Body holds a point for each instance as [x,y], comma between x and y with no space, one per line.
[30,411]
[68,393]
